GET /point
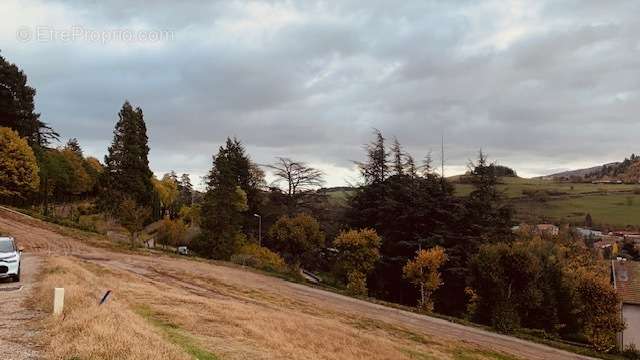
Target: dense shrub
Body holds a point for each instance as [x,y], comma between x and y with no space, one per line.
[358,251]
[298,239]
[259,257]
[171,232]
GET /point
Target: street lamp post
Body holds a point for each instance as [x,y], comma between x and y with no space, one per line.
[259,228]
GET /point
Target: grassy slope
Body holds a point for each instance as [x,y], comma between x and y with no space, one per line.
[608,204]
[619,210]
[514,187]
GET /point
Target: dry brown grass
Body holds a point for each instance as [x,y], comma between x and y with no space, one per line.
[155,315]
[89,331]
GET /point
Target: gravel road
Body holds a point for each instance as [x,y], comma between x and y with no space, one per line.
[17,322]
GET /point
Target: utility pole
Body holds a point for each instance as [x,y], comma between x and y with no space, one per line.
[442,163]
[442,154]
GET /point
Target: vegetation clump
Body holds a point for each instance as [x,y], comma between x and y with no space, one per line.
[358,253]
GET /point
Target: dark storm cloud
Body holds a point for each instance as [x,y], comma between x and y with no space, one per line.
[538,88]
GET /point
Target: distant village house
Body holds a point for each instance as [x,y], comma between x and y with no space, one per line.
[626,280]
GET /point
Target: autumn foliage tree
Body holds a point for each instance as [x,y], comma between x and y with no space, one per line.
[296,238]
[167,191]
[80,180]
[548,283]
[358,253]
[132,217]
[597,308]
[171,232]
[18,166]
[424,272]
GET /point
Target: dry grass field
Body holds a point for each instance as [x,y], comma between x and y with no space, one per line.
[208,319]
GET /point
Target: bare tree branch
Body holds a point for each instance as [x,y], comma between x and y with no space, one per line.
[298,176]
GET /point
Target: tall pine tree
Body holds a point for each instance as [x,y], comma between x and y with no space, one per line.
[487,218]
[398,155]
[376,169]
[17,107]
[231,199]
[186,190]
[126,164]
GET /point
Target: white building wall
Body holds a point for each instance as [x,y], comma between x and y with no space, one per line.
[631,316]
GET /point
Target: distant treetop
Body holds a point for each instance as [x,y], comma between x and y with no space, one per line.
[503,171]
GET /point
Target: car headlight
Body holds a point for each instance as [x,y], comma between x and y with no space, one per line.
[11,260]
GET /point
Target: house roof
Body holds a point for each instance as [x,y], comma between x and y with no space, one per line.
[605,241]
[627,280]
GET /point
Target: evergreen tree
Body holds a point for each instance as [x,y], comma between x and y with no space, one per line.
[489,213]
[126,164]
[376,169]
[173,176]
[74,145]
[411,166]
[17,107]
[427,165]
[398,164]
[186,190]
[232,187]
[484,217]
[408,212]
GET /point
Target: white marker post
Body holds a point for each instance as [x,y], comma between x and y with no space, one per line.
[58,301]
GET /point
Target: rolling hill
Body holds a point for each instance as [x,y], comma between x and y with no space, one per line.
[578,173]
[627,171]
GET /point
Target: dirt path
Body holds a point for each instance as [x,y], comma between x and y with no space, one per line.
[179,273]
[17,334]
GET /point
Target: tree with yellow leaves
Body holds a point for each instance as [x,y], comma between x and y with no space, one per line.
[423,272]
[172,232]
[18,166]
[167,190]
[79,180]
[358,253]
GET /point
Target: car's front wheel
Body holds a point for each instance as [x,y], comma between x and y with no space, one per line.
[16,278]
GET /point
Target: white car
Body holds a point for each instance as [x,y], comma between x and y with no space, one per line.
[10,256]
[183,250]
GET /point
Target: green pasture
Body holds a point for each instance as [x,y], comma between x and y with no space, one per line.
[618,210]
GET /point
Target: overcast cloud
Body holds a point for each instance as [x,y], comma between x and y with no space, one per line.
[540,87]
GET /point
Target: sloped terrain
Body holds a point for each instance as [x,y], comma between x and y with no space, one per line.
[214,310]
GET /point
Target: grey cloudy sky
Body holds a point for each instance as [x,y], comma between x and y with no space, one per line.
[540,86]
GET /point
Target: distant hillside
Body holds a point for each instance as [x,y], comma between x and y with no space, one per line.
[579,173]
[627,171]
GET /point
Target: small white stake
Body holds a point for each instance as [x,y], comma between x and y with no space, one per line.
[58,301]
